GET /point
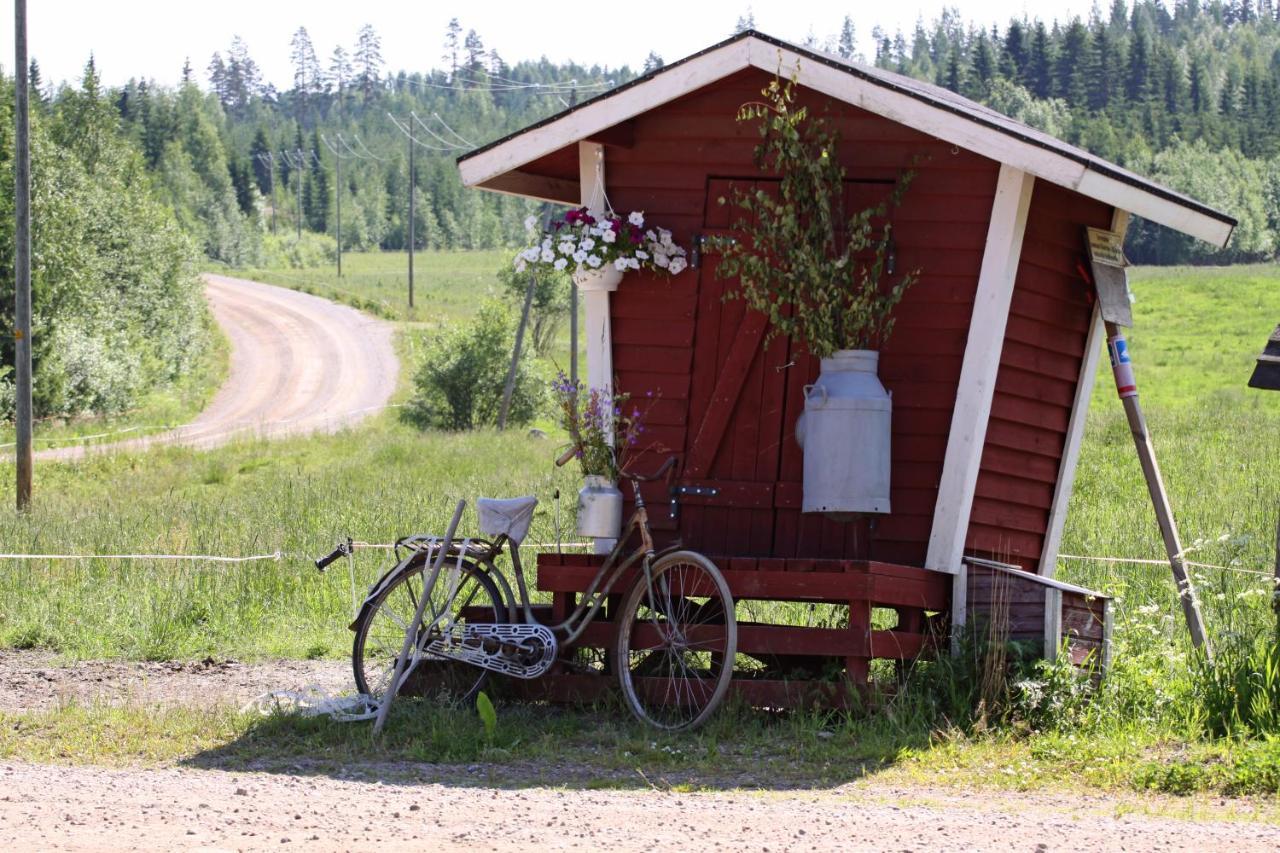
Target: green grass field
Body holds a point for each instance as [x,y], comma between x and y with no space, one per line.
[447,285]
[1197,334]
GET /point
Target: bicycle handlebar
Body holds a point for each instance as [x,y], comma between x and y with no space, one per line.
[343,549]
[656,475]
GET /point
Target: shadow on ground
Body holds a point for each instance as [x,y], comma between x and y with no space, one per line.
[539,745]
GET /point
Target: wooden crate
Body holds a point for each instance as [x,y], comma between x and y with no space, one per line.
[1042,611]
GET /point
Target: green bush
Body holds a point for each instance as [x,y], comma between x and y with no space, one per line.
[1238,693]
[459,383]
[286,250]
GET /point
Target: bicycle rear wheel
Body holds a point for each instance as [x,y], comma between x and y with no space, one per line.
[677,637]
[381,627]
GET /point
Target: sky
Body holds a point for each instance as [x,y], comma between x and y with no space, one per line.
[152,38]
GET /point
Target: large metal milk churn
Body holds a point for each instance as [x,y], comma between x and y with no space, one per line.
[844,433]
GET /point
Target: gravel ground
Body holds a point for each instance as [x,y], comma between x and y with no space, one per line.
[82,808]
[33,680]
[518,806]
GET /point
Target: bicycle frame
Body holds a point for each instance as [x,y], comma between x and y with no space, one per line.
[483,554]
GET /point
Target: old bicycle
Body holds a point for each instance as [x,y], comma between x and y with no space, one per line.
[676,635]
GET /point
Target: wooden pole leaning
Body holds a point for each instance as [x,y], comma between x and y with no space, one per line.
[509,388]
[411,634]
[1155,487]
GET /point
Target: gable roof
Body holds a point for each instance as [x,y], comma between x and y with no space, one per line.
[927,108]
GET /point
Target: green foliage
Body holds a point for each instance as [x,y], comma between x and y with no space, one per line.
[117,307]
[459,383]
[549,307]
[1224,179]
[488,716]
[799,261]
[289,252]
[1238,693]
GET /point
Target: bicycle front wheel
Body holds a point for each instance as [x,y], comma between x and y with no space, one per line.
[676,640]
[382,624]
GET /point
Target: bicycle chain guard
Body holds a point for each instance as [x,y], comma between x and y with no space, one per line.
[520,650]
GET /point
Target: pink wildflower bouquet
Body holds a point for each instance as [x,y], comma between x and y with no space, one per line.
[589,418]
[581,241]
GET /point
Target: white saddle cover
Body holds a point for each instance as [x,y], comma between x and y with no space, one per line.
[511,516]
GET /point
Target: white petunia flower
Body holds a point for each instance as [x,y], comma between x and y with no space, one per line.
[594,261]
[531,253]
[642,254]
[546,243]
[677,264]
[636,218]
[633,263]
[561,263]
[521,266]
[621,265]
[567,247]
[531,223]
[608,236]
[579,256]
[587,244]
[547,256]
[660,260]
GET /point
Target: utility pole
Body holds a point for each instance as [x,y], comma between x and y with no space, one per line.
[22,256]
[413,229]
[337,159]
[302,171]
[271,183]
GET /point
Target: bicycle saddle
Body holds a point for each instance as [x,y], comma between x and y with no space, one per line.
[511,516]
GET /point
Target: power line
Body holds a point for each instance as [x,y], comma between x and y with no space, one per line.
[436,116]
[452,145]
[408,132]
[365,148]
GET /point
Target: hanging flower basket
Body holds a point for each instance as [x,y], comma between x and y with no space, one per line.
[585,242]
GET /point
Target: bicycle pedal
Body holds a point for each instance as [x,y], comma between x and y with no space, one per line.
[519,650]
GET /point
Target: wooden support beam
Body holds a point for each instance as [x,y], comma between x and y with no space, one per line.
[978,381]
[1071,450]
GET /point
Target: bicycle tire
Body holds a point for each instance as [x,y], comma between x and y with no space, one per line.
[667,679]
[385,619]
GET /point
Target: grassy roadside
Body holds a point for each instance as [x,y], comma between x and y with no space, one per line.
[172,405]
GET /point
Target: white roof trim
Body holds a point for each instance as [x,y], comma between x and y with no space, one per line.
[482,168]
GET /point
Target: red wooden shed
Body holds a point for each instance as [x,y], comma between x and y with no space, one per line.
[991,363]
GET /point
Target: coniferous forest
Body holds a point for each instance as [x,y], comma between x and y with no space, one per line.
[227,168]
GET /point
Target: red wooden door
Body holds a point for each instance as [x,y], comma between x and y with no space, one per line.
[744,399]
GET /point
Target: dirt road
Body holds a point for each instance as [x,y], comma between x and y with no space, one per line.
[299,364]
[81,808]
[515,805]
